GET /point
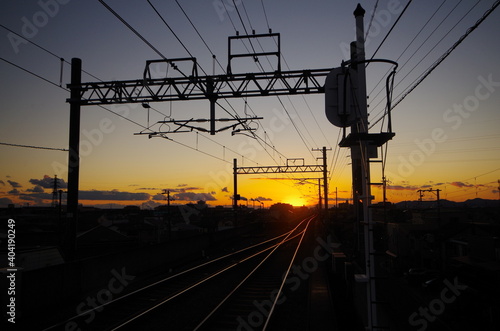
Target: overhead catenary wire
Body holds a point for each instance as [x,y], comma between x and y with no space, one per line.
[448,52]
[106,109]
[426,73]
[220,65]
[390,30]
[35,147]
[44,49]
[407,47]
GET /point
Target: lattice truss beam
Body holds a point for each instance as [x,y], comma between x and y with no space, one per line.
[195,87]
[279,169]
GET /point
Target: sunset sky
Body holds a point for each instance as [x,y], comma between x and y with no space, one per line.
[447,129]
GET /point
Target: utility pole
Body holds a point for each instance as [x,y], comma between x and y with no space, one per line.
[361,126]
[74,156]
[168,216]
[235,190]
[346,106]
[319,196]
[54,192]
[325,178]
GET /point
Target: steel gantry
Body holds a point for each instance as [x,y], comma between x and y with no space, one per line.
[151,88]
[290,167]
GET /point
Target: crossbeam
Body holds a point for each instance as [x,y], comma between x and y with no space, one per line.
[278,169]
[201,87]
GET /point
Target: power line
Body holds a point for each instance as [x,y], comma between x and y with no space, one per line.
[32,73]
[371,19]
[36,147]
[408,46]
[213,55]
[107,109]
[388,33]
[449,51]
[265,14]
[442,58]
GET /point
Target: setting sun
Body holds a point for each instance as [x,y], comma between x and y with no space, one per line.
[295,201]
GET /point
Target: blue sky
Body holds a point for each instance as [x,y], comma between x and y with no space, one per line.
[446,130]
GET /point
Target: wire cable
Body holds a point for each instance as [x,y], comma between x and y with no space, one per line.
[448,52]
[44,49]
[35,147]
[32,73]
[388,33]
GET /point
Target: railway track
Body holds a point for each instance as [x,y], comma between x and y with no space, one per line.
[240,290]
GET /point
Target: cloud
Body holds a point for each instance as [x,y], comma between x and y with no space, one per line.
[2,182]
[263,199]
[159,197]
[191,196]
[243,198]
[149,188]
[36,189]
[14,184]
[461,184]
[225,189]
[113,195]
[14,191]
[35,196]
[5,201]
[48,182]
[182,185]
[402,187]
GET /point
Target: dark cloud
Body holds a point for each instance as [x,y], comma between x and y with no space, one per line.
[243,198]
[191,196]
[113,195]
[36,196]
[159,197]
[36,189]
[14,191]
[5,201]
[14,184]
[402,187]
[148,189]
[225,189]
[48,182]
[2,182]
[461,184]
[263,199]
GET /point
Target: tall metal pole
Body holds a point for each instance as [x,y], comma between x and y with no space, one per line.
[235,190]
[362,127]
[325,182]
[74,155]
[169,217]
[320,205]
